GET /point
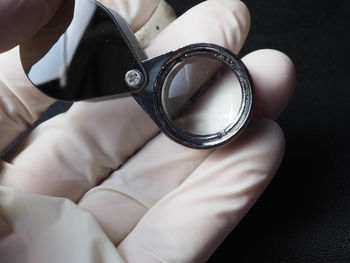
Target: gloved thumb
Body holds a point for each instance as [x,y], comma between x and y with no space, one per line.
[20,21]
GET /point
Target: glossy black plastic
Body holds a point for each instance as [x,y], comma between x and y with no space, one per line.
[91,59]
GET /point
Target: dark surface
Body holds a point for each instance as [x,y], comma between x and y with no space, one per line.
[304,216]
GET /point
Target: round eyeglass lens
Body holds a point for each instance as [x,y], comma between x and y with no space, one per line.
[202,96]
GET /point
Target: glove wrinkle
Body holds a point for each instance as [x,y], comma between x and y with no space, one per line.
[212,200]
[139,254]
[158,201]
[47,229]
[5,228]
[237,17]
[21,104]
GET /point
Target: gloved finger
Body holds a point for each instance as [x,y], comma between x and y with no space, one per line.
[162,14]
[25,22]
[22,20]
[40,229]
[85,145]
[157,169]
[34,48]
[22,104]
[222,22]
[162,165]
[274,78]
[209,203]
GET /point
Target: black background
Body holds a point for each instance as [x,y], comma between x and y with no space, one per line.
[304,216]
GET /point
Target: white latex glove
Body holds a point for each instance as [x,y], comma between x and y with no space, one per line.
[121,192]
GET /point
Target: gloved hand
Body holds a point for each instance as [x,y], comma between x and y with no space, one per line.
[99,183]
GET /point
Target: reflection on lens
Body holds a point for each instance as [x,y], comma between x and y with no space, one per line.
[202,96]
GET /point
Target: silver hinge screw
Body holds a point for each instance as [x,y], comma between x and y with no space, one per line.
[133,78]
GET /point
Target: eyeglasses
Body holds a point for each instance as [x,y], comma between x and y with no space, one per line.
[201,95]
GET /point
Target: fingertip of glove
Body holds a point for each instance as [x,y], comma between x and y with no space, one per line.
[237,8]
[270,132]
[274,77]
[237,22]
